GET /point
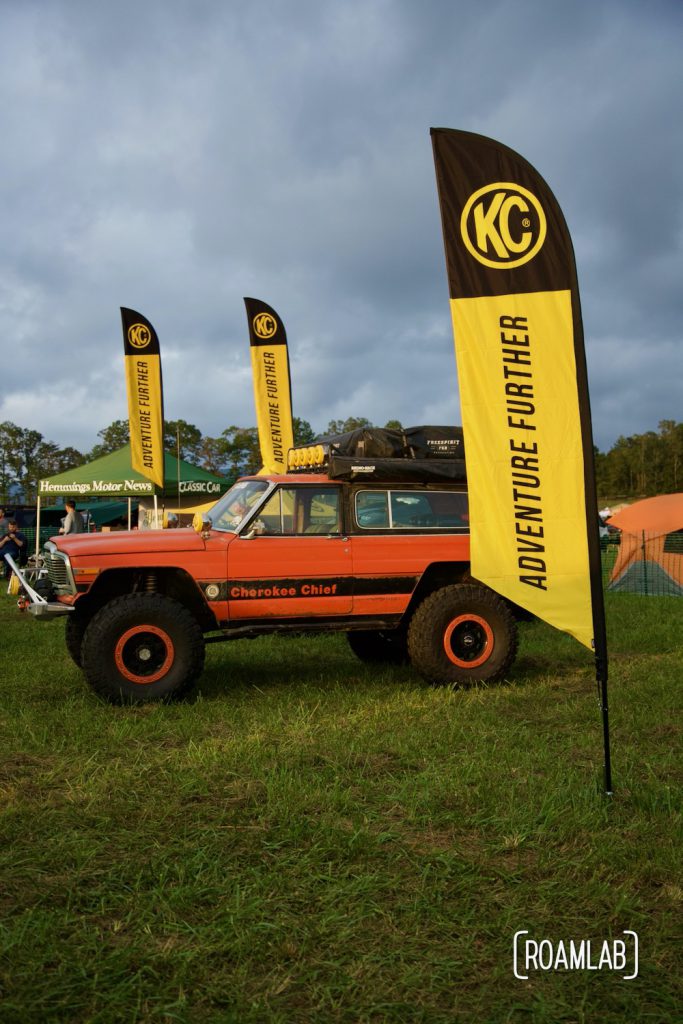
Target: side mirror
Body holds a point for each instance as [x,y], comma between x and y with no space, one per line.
[202,525]
[257,530]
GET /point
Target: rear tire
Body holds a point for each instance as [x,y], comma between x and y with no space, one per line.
[462,634]
[375,646]
[142,647]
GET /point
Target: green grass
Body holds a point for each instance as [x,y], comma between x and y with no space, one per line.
[312,840]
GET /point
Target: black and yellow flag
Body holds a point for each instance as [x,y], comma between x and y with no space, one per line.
[272,388]
[142,357]
[523,385]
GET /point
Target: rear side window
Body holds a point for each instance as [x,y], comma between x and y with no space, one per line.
[411,510]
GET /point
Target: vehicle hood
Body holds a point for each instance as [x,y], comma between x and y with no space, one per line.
[88,545]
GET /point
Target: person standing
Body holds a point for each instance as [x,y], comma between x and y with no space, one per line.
[73,521]
[4,522]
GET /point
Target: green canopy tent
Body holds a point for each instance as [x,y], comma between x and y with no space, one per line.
[113,477]
[107,512]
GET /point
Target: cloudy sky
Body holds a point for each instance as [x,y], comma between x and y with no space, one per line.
[174,156]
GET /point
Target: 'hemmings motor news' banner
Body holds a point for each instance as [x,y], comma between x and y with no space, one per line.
[145,395]
[272,389]
[523,385]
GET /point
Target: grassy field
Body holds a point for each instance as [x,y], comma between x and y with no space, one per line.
[313,840]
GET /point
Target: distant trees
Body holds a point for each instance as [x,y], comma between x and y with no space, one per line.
[637,466]
[303,431]
[355,423]
[183,438]
[25,457]
[644,464]
[347,425]
[113,437]
[240,451]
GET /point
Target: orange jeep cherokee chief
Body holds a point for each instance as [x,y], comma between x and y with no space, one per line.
[376,547]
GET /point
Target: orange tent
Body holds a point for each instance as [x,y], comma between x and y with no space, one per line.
[650,558]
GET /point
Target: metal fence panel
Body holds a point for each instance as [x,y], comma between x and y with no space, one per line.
[645,563]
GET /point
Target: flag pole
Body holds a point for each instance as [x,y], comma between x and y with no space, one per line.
[37,527]
[177,437]
[601,674]
[593,534]
[598,601]
[594,552]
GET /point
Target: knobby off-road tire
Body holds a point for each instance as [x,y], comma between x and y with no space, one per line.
[74,631]
[462,634]
[379,646]
[142,647]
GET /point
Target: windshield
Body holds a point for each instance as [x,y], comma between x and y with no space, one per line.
[237,503]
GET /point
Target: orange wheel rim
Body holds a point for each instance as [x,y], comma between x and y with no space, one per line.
[144,654]
[468,641]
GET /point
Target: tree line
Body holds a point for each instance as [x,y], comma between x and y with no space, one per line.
[635,467]
[642,465]
[27,457]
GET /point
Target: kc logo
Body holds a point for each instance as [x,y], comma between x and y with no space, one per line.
[265,325]
[503,225]
[139,336]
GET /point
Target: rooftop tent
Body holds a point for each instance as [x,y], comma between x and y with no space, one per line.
[650,557]
[418,454]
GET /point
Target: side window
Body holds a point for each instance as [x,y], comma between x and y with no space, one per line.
[372,510]
[412,510]
[451,508]
[321,511]
[277,515]
[294,511]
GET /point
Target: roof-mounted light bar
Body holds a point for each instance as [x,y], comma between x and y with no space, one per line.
[310,457]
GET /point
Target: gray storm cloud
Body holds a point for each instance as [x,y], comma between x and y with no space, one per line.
[173,157]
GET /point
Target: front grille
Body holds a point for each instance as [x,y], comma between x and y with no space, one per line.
[58,570]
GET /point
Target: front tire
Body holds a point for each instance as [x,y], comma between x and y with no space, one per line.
[74,632]
[462,634]
[142,647]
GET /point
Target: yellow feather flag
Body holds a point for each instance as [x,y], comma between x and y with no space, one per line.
[272,387]
[523,388]
[144,385]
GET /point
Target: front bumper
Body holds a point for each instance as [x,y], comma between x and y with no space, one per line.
[49,609]
[30,599]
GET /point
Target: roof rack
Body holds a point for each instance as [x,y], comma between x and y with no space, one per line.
[418,454]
